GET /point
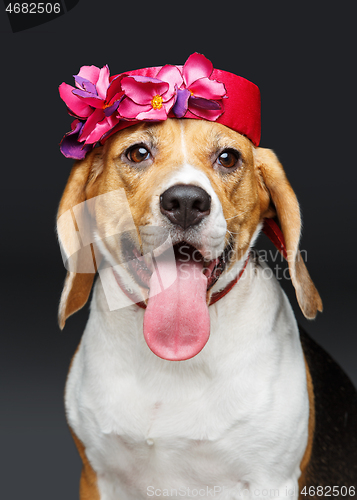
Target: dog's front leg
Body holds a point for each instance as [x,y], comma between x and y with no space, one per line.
[88,489]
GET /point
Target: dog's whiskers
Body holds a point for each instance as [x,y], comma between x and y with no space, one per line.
[237,215]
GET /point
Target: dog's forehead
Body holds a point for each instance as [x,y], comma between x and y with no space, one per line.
[186,137]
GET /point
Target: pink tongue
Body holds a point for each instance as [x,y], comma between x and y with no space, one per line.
[176,320]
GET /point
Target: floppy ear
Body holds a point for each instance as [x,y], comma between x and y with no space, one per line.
[79,260]
[276,190]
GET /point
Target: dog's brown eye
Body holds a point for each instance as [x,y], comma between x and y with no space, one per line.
[138,154]
[228,159]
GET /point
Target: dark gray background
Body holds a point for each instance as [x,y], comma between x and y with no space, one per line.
[302,57]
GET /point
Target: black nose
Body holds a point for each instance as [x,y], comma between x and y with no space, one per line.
[185,205]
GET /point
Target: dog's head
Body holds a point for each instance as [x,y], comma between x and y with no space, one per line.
[197,184]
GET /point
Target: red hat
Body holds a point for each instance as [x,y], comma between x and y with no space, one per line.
[103,105]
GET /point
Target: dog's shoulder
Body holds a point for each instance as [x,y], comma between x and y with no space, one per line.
[334,453]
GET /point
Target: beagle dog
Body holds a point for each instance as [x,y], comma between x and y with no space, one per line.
[192,377]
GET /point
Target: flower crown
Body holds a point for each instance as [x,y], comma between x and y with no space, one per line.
[102,105]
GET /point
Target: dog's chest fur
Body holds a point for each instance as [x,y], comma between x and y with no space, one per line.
[234,417]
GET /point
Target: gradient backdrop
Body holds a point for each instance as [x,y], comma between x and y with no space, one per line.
[301,57]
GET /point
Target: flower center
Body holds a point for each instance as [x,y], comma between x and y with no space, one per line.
[192,95]
[156,102]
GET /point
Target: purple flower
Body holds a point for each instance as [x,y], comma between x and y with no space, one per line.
[70,146]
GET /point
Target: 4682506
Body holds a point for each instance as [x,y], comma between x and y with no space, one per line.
[33,8]
[329,491]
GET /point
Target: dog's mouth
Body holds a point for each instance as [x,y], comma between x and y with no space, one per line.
[142,267]
[176,320]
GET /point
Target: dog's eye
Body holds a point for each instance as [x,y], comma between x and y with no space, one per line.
[138,153]
[228,158]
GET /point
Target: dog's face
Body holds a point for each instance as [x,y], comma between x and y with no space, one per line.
[198,184]
[193,179]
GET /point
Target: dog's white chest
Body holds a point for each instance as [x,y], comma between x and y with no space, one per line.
[164,445]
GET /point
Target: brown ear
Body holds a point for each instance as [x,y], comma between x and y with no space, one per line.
[78,260]
[276,187]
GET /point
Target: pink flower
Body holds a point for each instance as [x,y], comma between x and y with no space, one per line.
[150,98]
[99,102]
[95,100]
[198,93]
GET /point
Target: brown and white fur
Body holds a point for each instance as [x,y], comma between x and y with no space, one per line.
[238,419]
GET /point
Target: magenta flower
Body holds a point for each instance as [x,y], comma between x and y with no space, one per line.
[94,102]
[150,98]
[199,94]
